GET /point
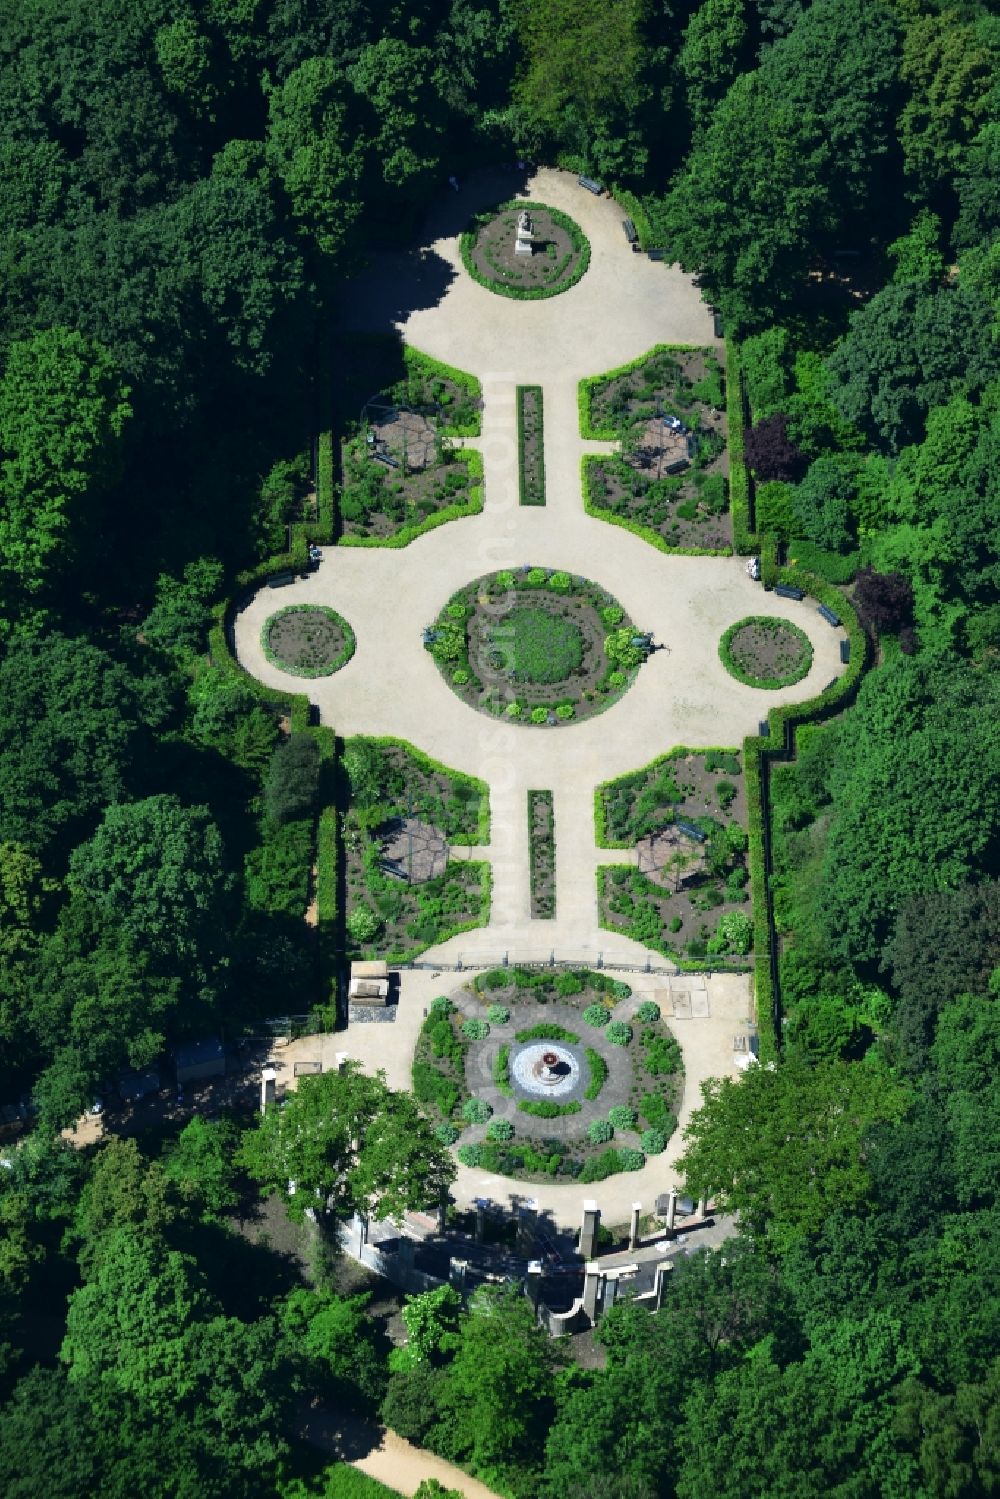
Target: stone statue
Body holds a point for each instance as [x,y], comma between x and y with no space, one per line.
[524,244]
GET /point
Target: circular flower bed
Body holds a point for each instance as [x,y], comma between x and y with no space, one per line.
[560,251]
[543,1094]
[536,646]
[308,640]
[763,651]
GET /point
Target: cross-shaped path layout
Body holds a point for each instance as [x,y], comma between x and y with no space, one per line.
[623,305]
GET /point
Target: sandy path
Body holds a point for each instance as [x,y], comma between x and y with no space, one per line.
[383,1455]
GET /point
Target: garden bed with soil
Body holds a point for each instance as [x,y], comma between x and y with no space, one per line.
[685,813]
[671,475]
[484,1054]
[396,794]
[308,640]
[762,651]
[560,255]
[542,852]
[539,647]
[530,445]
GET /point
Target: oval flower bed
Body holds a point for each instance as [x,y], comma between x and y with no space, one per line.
[763,651]
[555,1087]
[308,640]
[560,256]
[536,646]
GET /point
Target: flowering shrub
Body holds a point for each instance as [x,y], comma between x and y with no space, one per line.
[475,1030]
[498,1014]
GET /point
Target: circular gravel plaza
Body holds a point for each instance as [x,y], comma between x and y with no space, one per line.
[308,640]
[767,652]
[539,647]
[559,251]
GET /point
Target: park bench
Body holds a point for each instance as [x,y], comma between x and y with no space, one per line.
[828,615]
[281,580]
[691,829]
[657,254]
[717,323]
[387,459]
[845,651]
[631,233]
[591,185]
[785,592]
[677,466]
[763,728]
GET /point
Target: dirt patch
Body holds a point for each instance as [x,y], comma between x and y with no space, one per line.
[542,845]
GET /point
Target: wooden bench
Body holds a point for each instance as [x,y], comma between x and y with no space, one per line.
[785,592]
[631,233]
[717,323]
[845,651]
[591,185]
[691,829]
[387,459]
[657,254]
[828,615]
[281,580]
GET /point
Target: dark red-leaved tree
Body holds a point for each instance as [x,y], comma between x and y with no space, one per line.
[771,453]
[885,603]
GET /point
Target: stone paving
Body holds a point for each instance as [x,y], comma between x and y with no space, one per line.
[621,307]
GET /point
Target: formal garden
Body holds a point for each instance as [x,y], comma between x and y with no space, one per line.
[404,890]
[762,651]
[308,640]
[536,1074]
[400,470]
[540,647]
[687,896]
[669,479]
[560,251]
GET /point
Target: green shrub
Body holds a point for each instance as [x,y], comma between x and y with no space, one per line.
[475,1029]
[498,1014]
[476,1111]
[619,1033]
[362,924]
[494,978]
[470,1155]
[429,1086]
[675,923]
[648,1012]
[654,1141]
[600,1131]
[539,715]
[499,1130]
[734,934]
[446,1134]
[630,1160]
[501,1071]
[567,984]
[662,1054]
[599,1167]
[654,1109]
[596,1015]
[598,1073]
[547,1032]
[547,1108]
[622,1117]
[442,1005]
[621,990]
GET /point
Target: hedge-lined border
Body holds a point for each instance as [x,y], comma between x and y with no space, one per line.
[344,655]
[419,363]
[677,753]
[590,382]
[766,684]
[536,391]
[485,871]
[644,533]
[393,741]
[779,744]
[468,237]
[470,456]
[640,218]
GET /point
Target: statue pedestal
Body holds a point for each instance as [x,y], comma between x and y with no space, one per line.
[523,246]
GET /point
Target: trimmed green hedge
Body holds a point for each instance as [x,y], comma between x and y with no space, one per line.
[470,456]
[341,660]
[598,1073]
[769,684]
[547,1108]
[783,720]
[745,539]
[579,240]
[546,1031]
[644,532]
